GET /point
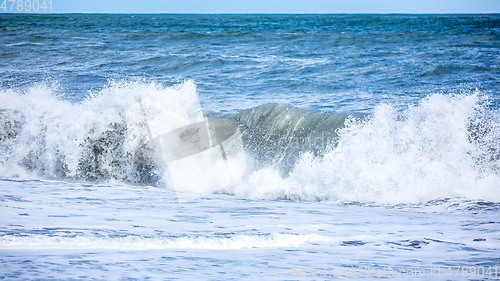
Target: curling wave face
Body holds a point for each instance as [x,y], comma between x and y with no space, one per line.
[277,134]
[444,147]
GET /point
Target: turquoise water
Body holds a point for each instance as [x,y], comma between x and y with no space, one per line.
[371,141]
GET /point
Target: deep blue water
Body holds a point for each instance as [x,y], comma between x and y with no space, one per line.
[340,62]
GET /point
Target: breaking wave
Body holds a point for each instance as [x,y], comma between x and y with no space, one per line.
[444,147]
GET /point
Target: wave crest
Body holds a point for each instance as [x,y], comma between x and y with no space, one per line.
[429,151]
[444,147]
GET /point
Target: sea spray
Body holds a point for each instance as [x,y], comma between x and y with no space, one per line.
[423,153]
[444,147]
[48,137]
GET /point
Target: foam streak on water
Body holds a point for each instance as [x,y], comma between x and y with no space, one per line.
[107,232]
[134,243]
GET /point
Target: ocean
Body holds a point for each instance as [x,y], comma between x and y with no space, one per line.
[370,147]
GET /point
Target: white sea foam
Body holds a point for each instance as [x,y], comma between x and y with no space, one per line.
[423,154]
[92,140]
[137,243]
[444,147]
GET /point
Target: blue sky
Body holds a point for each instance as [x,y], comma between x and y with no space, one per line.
[276,6]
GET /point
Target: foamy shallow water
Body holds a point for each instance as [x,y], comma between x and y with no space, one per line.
[61,230]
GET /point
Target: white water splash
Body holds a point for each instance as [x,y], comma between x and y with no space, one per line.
[423,154]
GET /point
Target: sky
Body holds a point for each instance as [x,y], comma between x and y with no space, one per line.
[276,6]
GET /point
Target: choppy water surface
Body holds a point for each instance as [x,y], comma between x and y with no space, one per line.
[372,145]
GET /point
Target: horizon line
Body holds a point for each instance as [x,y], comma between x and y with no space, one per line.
[173,13]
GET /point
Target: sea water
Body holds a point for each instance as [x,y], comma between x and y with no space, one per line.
[372,147]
